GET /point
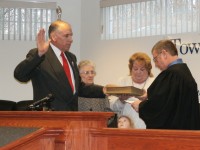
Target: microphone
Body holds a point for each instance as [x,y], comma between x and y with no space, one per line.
[41,102]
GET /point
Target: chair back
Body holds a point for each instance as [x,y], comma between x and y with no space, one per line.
[93,104]
[23,105]
[7,105]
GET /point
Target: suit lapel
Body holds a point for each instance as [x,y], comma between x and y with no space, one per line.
[57,68]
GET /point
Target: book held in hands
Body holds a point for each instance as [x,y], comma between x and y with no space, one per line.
[124,90]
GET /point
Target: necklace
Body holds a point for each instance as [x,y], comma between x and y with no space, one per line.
[139,85]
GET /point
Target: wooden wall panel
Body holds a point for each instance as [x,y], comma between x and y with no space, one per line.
[138,139]
[42,139]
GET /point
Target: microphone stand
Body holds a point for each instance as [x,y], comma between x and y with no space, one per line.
[41,105]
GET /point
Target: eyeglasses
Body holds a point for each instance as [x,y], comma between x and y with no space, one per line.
[88,72]
[156,57]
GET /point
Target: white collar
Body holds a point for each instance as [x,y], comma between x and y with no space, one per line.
[56,50]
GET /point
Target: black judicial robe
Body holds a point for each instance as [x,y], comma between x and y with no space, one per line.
[172,100]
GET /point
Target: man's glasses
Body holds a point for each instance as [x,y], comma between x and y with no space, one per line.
[88,72]
[156,57]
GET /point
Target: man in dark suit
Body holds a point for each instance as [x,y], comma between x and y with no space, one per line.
[44,67]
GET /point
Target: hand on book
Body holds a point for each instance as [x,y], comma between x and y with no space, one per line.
[124,97]
[142,97]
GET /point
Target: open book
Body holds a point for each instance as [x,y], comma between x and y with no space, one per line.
[124,90]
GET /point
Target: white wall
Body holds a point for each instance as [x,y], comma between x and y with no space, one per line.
[111,57]
[11,53]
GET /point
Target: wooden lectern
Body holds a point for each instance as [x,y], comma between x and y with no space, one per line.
[56,130]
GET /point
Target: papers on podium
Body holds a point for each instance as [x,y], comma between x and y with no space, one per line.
[124,90]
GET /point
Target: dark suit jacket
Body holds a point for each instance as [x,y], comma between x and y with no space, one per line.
[48,76]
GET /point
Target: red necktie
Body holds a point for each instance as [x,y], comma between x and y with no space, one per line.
[67,70]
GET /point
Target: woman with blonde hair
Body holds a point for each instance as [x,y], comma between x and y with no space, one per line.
[140,76]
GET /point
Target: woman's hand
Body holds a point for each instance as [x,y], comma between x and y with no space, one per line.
[143,97]
[135,104]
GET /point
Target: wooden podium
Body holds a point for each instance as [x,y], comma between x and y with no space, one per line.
[56,130]
[88,131]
